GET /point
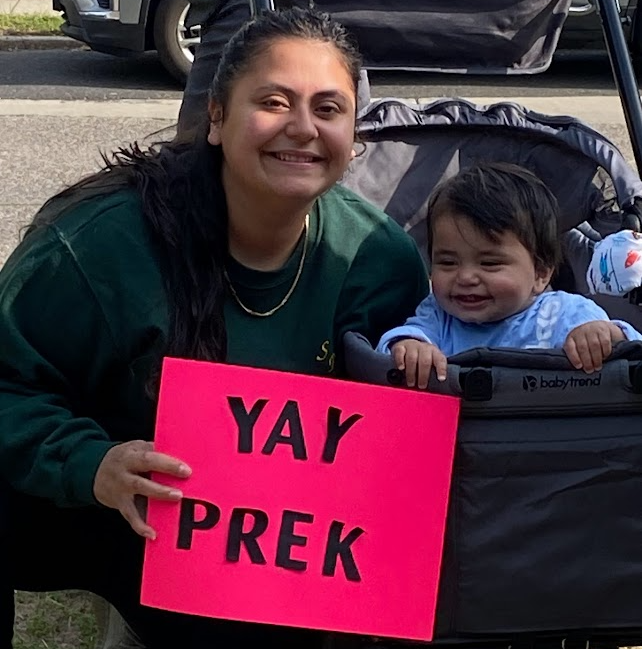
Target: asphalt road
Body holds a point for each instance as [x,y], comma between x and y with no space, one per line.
[82,74]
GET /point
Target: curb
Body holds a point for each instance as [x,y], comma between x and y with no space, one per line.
[10,43]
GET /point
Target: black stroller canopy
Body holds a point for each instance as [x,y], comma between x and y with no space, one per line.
[410,148]
[484,36]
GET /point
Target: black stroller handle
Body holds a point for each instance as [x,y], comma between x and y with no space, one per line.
[623,73]
[510,382]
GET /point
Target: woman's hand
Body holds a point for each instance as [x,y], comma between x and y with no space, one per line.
[418,358]
[588,345]
[121,476]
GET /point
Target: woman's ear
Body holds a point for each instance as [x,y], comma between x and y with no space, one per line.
[216,121]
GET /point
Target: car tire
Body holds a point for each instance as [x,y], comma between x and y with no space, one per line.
[174,44]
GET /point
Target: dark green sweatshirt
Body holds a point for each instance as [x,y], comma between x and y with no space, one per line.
[84,318]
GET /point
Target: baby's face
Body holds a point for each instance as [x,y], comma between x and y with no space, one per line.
[479,280]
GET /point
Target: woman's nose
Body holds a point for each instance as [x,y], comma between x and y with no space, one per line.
[301,125]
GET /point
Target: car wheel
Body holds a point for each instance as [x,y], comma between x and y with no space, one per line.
[174,42]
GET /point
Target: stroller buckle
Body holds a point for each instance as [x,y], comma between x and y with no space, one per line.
[477,384]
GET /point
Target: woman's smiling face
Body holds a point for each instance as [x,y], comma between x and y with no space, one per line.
[288,127]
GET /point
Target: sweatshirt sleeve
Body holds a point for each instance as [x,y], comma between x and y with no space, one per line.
[385,283]
[628,330]
[579,310]
[56,344]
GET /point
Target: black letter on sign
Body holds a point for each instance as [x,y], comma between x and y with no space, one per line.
[236,535]
[287,538]
[289,415]
[187,522]
[336,430]
[245,420]
[336,546]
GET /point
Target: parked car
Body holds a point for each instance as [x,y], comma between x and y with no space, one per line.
[583,28]
[125,27]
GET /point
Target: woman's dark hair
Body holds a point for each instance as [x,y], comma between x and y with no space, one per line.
[499,197]
[256,36]
[182,196]
[183,204]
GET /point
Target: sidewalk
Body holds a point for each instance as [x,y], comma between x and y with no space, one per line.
[26,7]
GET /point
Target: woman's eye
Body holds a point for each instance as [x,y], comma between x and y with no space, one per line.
[328,110]
[275,102]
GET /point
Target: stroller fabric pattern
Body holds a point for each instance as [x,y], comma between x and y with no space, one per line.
[616,264]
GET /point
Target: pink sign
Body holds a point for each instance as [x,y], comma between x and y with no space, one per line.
[313,502]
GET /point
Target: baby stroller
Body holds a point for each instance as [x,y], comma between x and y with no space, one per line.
[544,536]
[544,533]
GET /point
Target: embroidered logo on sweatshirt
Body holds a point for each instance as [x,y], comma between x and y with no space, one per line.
[548,316]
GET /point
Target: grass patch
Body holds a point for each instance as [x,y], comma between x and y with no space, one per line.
[30,24]
[55,621]
[64,620]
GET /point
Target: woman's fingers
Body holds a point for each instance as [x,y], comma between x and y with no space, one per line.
[133,505]
[122,478]
[139,485]
[133,516]
[146,460]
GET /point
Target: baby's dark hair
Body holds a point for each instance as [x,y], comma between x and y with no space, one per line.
[500,197]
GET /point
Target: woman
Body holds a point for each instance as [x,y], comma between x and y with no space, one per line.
[235,247]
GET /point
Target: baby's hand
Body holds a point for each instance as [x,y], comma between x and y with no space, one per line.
[417,358]
[589,344]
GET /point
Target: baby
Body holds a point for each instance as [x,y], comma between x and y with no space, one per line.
[493,244]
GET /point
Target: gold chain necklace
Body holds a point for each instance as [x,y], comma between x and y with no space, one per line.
[288,295]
